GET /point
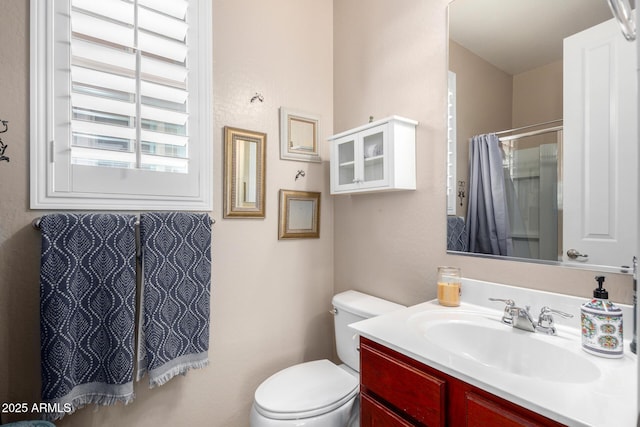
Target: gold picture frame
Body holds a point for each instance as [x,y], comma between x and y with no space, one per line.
[299,136]
[244,175]
[299,214]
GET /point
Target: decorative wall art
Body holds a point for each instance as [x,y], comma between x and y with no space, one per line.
[299,214]
[299,136]
[244,175]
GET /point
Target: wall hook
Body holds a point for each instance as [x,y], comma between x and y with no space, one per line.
[257,97]
[461,192]
[3,146]
[300,174]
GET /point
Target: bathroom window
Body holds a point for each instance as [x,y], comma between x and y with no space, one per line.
[121,104]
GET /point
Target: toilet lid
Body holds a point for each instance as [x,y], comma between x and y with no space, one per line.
[305,390]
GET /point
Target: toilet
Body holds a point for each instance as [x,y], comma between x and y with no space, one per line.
[321,393]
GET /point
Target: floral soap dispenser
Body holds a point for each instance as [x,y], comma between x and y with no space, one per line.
[601,324]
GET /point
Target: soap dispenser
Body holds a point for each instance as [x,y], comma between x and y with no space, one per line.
[601,324]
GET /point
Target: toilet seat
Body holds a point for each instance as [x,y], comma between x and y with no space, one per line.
[305,390]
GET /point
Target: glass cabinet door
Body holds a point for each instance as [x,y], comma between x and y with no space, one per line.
[346,162]
[373,155]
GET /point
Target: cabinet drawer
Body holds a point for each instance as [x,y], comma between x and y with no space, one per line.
[376,415]
[416,393]
[482,411]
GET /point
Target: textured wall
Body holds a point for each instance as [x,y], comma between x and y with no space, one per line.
[270,298]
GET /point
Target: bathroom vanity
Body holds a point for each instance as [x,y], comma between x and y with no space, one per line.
[461,366]
[434,398]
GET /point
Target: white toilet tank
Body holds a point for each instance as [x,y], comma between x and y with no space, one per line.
[350,307]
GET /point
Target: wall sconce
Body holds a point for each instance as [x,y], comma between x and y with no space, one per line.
[3,146]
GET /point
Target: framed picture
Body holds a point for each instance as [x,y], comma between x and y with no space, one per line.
[299,214]
[244,173]
[299,136]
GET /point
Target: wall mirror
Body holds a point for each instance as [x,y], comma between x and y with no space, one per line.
[244,177]
[299,214]
[299,136]
[517,83]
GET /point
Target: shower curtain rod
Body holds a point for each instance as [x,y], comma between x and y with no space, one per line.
[527,127]
[532,133]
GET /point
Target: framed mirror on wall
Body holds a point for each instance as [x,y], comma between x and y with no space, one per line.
[563,147]
[299,136]
[299,214]
[244,174]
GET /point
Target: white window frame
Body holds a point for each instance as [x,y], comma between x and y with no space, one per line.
[52,186]
[452,142]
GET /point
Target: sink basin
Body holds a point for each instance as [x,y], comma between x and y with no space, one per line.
[481,339]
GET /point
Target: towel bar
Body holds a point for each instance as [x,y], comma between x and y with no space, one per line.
[36,222]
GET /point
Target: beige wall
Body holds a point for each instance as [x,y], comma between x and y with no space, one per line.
[484,103]
[391,58]
[537,95]
[270,298]
[491,100]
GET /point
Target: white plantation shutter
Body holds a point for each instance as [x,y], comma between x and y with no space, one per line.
[126,97]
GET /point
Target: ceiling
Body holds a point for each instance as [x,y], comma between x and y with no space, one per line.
[518,35]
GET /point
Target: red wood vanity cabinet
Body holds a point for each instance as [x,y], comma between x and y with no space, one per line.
[400,391]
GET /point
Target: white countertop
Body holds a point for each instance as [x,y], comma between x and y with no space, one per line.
[608,400]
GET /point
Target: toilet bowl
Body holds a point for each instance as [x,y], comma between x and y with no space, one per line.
[317,393]
[321,393]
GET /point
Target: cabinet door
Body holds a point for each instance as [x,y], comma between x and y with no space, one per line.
[343,163]
[374,157]
[373,414]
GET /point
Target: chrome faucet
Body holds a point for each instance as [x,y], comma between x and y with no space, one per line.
[521,318]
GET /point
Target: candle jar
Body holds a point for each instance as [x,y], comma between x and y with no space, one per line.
[449,286]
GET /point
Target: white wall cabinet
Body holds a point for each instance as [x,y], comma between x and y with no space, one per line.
[379,156]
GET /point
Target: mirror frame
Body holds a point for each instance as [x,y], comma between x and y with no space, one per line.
[299,222]
[231,208]
[287,146]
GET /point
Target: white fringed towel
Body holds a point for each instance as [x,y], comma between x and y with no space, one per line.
[175,296]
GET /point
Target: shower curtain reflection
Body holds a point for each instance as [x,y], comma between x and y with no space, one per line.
[487,214]
[530,195]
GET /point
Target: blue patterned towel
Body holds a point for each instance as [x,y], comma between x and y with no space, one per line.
[176,282]
[87,309]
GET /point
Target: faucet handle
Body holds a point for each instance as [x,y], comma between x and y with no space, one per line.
[509,302]
[507,317]
[546,322]
[547,310]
